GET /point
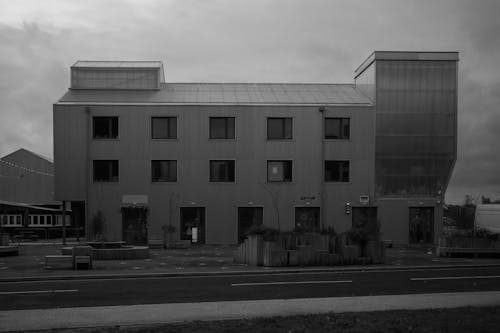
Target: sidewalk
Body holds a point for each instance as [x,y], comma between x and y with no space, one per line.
[20,320]
[201,260]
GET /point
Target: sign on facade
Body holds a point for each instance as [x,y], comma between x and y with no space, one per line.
[135,199]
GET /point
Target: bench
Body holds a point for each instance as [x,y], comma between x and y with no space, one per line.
[155,243]
[58,259]
[182,244]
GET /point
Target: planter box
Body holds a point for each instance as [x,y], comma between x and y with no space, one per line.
[321,258]
[4,239]
[376,251]
[306,255]
[350,253]
[293,258]
[334,259]
[254,248]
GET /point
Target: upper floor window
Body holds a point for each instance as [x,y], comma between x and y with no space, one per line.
[279,171]
[222,171]
[163,171]
[337,128]
[336,171]
[105,127]
[164,128]
[222,128]
[279,128]
[105,170]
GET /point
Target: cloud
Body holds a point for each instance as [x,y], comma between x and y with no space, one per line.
[250,41]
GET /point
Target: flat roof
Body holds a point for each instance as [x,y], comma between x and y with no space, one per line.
[117,64]
[226,93]
[406,55]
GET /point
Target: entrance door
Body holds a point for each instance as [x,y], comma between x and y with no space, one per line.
[248,217]
[307,219]
[421,225]
[134,226]
[193,224]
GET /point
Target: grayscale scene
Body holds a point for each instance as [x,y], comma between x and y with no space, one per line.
[249,166]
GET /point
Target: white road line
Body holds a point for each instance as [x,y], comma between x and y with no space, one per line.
[456,277]
[38,291]
[286,282]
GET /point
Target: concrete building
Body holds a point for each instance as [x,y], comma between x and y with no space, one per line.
[213,159]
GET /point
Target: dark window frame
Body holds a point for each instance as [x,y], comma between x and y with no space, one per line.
[287,121]
[227,129]
[113,167]
[171,171]
[170,135]
[339,175]
[113,128]
[286,171]
[231,174]
[341,128]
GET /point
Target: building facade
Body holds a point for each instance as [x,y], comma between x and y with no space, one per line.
[213,159]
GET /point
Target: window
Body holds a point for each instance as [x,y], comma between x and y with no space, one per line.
[163,128]
[222,171]
[222,128]
[337,128]
[279,171]
[279,128]
[105,127]
[336,171]
[105,170]
[163,171]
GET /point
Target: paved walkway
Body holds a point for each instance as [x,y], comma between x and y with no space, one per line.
[198,260]
[20,320]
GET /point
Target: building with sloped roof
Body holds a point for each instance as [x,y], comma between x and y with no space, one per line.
[27,194]
[213,159]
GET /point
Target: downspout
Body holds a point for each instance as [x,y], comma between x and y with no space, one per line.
[87,182]
[322,168]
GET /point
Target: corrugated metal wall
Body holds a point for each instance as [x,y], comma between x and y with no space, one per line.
[193,149]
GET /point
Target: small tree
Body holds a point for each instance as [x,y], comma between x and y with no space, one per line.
[274,193]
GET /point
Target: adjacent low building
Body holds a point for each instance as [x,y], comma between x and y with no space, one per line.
[27,195]
[213,159]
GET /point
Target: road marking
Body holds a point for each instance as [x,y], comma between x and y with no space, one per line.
[456,277]
[153,276]
[286,282]
[38,291]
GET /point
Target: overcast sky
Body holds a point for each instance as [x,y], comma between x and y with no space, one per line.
[251,41]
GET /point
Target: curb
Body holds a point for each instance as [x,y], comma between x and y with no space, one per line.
[231,273]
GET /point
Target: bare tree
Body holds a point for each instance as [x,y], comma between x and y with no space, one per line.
[274,193]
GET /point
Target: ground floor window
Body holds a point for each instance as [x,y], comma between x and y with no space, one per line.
[11,219]
[307,219]
[366,218]
[421,226]
[248,217]
[193,224]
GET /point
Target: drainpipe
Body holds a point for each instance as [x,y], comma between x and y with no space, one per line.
[64,222]
[322,110]
[88,178]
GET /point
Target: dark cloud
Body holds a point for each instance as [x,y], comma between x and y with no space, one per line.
[251,41]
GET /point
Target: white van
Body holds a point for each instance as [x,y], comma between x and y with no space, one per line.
[488,217]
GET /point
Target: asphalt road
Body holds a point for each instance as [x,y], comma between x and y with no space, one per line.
[128,291]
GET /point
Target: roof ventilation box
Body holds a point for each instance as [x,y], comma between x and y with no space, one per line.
[121,75]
